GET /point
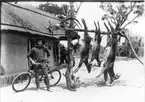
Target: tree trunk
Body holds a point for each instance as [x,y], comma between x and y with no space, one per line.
[70,78]
[133,49]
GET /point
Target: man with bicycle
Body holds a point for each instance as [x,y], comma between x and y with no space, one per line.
[38,55]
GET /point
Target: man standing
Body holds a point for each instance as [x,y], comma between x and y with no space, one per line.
[39,54]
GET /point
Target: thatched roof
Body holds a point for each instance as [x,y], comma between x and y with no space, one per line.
[27,21]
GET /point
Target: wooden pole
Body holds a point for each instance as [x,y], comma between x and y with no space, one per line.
[66,29]
[92,31]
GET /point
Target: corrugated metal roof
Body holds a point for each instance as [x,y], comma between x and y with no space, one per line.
[11,15]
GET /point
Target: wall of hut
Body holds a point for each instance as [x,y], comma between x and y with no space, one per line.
[13,52]
[14,49]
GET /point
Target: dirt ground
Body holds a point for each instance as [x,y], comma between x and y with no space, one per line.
[128,88]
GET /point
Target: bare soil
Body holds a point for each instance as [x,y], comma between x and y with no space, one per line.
[128,88]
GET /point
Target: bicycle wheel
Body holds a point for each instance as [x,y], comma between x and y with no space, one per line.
[21,82]
[54,76]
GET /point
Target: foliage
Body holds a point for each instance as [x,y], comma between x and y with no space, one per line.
[59,11]
[63,12]
[122,14]
[119,13]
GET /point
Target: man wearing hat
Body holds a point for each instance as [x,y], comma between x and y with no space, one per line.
[39,54]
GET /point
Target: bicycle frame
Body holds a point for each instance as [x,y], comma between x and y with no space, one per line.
[40,72]
[30,74]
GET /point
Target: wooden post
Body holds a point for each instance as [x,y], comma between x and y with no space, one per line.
[70,79]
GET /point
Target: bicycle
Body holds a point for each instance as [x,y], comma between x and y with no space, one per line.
[22,80]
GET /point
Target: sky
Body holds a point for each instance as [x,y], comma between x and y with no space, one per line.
[91,12]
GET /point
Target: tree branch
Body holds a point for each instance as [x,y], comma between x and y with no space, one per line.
[118,15]
[126,16]
[78,8]
[65,13]
[132,48]
[130,21]
[113,22]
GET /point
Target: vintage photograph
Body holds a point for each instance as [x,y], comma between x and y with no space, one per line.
[72,51]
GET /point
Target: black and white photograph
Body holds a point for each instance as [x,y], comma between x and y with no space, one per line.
[72,51]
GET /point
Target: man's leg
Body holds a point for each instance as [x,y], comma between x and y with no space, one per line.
[61,60]
[46,80]
[36,71]
[65,59]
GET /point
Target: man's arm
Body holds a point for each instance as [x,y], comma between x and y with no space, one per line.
[30,55]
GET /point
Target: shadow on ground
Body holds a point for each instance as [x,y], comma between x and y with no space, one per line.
[94,82]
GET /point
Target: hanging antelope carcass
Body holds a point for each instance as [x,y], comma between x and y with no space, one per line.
[84,53]
[109,56]
[96,46]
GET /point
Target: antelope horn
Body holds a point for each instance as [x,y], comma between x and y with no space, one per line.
[85,32]
[98,26]
[65,19]
[96,30]
[95,25]
[106,27]
[76,24]
[83,21]
[70,18]
[110,26]
[108,36]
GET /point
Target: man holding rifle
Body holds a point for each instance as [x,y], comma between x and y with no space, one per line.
[38,55]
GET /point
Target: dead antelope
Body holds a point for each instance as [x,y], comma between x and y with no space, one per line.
[109,56]
[96,46]
[84,53]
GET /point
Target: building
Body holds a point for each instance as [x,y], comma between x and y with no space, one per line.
[19,30]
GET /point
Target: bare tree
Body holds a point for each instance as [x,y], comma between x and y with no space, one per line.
[71,80]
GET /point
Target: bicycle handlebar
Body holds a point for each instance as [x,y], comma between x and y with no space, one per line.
[36,63]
